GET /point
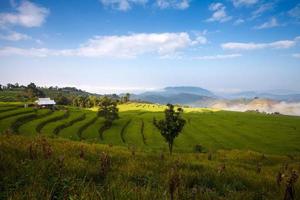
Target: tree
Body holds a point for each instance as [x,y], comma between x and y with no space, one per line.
[94,101]
[32,91]
[1,87]
[126,97]
[108,109]
[9,86]
[60,99]
[171,126]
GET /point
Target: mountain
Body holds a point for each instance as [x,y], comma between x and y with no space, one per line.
[289,97]
[184,95]
[188,90]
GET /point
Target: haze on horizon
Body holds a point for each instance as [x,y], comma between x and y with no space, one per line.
[117,46]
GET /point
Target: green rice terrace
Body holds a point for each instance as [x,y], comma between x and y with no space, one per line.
[62,154]
[213,130]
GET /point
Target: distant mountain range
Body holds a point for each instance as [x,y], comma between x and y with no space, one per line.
[287,103]
[279,97]
[196,96]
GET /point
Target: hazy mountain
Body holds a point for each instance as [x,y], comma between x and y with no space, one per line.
[284,102]
[289,97]
[177,95]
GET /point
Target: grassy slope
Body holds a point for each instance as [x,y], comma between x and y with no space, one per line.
[7,121]
[264,133]
[48,129]
[71,132]
[64,175]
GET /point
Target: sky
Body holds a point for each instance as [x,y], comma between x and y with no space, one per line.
[116,46]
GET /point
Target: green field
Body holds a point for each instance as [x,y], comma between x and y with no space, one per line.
[212,129]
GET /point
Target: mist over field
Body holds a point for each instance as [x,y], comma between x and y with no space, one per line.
[285,108]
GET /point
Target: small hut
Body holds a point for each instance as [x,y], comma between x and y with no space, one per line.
[45,103]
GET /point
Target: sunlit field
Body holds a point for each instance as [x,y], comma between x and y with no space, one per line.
[212,129]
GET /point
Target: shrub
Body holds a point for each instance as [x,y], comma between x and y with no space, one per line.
[198,148]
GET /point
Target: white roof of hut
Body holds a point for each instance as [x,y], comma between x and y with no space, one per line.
[45,101]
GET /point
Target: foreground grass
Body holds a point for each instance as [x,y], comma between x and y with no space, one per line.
[39,168]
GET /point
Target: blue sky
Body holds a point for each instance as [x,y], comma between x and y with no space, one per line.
[134,45]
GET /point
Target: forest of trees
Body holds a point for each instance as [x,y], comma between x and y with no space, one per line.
[62,96]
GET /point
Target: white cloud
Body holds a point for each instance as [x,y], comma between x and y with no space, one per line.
[281,44]
[238,3]
[122,5]
[27,14]
[238,22]
[295,12]
[269,24]
[262,9]
[218,57]
[176,4]
[126,46]
[296,55]
[14,36]
[219,13]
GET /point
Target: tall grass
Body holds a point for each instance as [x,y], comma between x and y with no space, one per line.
[40,168]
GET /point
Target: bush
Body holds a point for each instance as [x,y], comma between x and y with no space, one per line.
[198,148]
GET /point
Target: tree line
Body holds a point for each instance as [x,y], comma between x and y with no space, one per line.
[62,96]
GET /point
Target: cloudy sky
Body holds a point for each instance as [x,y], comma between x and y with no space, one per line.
[135,45]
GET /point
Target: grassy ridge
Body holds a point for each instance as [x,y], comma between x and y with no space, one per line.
[50,128]
[41,125]
[91,132]
[9,117]
[62,169]
[8,108]
[27,118]
[30,128]
[16,112]
[86,124]
[57,129]
[74,132]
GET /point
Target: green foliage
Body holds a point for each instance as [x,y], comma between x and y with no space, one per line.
[108,109]
[32,92]
[60,99]
[171,126]
[198,148]
[125,98]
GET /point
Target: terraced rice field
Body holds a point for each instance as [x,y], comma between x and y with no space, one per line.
[213,130]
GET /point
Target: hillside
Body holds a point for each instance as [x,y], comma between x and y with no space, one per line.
[211,129]
[219,155]
[17,94]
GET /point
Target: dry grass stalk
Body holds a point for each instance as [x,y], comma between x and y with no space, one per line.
[174,182]
[290,186]
[221,168]
[105,164]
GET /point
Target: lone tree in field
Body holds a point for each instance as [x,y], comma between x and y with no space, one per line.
[171,126]
[108,109]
